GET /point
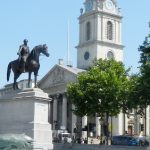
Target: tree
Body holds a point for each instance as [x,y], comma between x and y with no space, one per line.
[131,102]
[144,79]
[143,86]
[101,90]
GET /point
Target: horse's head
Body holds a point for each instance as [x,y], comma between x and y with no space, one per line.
[44,50]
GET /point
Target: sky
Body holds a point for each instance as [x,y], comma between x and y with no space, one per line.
[46,22]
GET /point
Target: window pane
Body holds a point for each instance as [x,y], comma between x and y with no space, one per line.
[88,31]
[109,30]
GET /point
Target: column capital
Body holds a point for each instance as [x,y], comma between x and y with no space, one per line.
[64,94]
[55,96]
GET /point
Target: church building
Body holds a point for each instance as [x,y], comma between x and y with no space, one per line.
[100,36]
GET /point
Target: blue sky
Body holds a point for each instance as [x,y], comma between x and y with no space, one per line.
[45,21]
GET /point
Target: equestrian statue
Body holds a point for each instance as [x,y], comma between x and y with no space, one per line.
[27,62]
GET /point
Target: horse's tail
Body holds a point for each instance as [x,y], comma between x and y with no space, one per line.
[8,71]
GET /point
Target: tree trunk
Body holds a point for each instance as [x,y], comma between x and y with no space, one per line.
[107,130]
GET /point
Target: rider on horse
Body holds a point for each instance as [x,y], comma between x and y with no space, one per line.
[23,54]
[32,63]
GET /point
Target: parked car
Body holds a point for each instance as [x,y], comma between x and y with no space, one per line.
[124,140]
[129,140]
[65,137]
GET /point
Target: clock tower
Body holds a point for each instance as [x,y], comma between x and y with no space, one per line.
[99,32]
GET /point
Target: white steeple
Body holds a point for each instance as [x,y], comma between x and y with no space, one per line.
[99,32]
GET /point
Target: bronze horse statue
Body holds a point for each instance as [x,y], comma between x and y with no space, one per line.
[32,65]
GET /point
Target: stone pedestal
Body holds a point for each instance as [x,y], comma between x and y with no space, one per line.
[27,112]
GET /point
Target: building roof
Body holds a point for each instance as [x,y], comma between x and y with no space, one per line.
[72,69]
[66,68]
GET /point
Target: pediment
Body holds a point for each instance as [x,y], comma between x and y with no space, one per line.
[58,75]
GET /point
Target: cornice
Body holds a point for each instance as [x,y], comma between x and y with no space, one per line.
[103,43]
[99,12]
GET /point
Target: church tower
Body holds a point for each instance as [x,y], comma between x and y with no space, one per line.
[99,32]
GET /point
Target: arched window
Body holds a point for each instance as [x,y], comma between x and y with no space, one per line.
[88,31]
[109,30]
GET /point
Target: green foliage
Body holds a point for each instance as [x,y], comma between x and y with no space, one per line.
[131,102]
[100,90]
[144,79]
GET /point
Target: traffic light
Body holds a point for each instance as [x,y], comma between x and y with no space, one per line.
[142,127]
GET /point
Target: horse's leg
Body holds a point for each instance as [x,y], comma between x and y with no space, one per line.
[15,85]
[35,79]
[29,79]
[16,80]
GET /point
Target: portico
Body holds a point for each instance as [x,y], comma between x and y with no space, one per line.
[55,84]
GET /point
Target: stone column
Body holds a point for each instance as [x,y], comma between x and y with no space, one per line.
[64,112]
[84,123]
[142,122]
[54,112]
[120,124]
[74,120]
[135,124]
[138,125]
[98,127]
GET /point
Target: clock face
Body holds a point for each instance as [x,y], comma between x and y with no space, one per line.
[89,5]
[109,5]
[110,55]
[86,55]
